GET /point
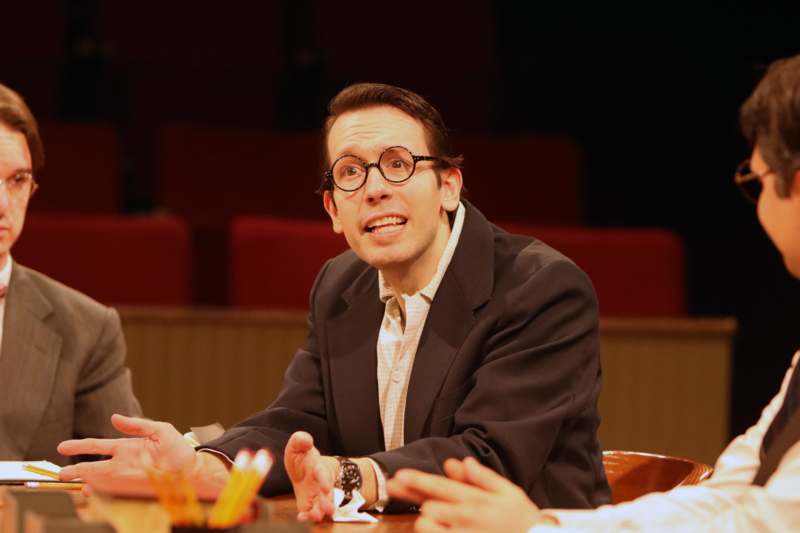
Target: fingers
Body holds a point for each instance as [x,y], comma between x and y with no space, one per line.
[89,446]
[454,469]
[425,524]
[299,449]
[314,515]
[436,487]
[84,471]
[397,489]
[485,478]
[448,514]
[299,442]
[325,505]
[68,473]
[323,476]
[140,427]
[320,507]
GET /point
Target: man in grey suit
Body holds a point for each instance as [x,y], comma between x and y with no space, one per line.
[62,355]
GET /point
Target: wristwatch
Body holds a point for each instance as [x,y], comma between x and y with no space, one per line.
[349,478]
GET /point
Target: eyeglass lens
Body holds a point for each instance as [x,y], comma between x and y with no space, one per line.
[396,164]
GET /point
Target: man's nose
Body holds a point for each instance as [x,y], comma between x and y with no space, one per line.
[376,187]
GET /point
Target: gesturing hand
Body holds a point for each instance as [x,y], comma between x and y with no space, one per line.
[474,499]
[156,444]
[311,476]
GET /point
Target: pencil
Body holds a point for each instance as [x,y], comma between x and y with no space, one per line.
[222,507]
[259,468]
[58,485]
[41,471]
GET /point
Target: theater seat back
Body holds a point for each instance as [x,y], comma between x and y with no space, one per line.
[274,261]
[636,272]
[114,259]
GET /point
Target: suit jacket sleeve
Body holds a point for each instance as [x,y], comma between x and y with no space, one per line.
[529,409]
[104,386]
[300,405]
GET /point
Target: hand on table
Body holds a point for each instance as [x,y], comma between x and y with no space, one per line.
[311,475]
[152,444]
[474,498]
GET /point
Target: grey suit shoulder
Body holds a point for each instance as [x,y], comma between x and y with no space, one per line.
[62,368]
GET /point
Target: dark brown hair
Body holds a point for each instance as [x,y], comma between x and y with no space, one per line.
[15,114]
[365,95]
[770,119]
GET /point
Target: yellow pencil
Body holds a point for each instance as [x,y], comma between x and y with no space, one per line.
[193,513]
[163,492]
[41,471]
[259,468]
[53,485]
[222,507]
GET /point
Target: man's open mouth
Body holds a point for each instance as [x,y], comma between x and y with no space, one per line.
[385,224]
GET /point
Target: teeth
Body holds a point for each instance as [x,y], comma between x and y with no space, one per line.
[376,225]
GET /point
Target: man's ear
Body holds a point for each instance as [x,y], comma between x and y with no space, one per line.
[330,206]
[450,188]
[794,186]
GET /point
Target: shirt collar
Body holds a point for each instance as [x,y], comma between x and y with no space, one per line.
[429,291]
[5,272]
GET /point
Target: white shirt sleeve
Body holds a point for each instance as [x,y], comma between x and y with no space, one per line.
[726,502]
[383,494]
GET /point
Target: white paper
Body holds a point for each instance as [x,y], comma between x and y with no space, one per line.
[14,472]
[350,512]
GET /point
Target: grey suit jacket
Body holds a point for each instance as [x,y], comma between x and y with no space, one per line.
[507,370]
[62,368]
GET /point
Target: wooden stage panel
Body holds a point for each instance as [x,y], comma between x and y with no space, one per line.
[666,381]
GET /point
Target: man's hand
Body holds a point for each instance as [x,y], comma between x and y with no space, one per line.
[154,444]
[475,498]
[312,477]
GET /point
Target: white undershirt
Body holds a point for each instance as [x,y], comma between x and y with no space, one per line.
[397,348]
[5,277]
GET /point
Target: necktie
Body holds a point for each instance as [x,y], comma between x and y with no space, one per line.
[782,433]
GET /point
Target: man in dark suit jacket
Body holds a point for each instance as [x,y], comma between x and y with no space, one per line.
[506,371]
[436,335]
[62,371]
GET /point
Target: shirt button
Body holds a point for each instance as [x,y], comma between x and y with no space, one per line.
[395,377]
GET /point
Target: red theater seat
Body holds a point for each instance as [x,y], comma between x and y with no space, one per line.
[210,175]
[114,259]
[274,261]
[535,179]
[82,169]
[636,272]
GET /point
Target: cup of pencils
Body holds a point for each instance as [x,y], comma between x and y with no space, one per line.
[233,506]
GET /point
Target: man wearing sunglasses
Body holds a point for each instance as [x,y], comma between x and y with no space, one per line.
[756,481]
[436,335]
[62,355]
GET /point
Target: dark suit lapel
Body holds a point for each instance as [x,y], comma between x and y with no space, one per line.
[466,286]
[28,360]
[352,341]
[783,432]
[449,321]
[788,437]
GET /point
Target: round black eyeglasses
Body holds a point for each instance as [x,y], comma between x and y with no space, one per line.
[750,183]
[396,164]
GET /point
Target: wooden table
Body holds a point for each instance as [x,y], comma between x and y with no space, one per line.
[283,510]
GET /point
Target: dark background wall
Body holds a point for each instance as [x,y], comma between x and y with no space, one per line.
[651,97]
